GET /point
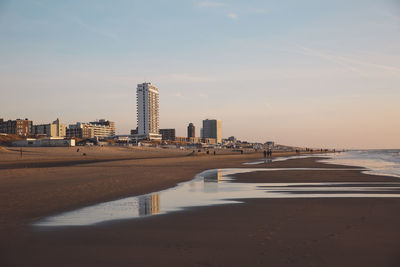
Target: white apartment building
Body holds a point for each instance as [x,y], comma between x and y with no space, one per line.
[147,112]
[101,128]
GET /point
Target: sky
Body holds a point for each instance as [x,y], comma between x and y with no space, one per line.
[305,73]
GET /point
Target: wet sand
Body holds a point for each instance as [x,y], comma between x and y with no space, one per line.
[29,193]
[263,232]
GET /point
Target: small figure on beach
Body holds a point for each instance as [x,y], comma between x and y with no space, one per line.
[241,151]
[208,152]
[77,150]
[265,153]
[84,154]
[215,152]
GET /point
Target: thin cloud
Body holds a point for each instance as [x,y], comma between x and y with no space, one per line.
[347,62]
[232,15]
[368,64]
[227,7]
[214,4]
[328,57]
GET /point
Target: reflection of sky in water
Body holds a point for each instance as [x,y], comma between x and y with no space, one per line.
[378,162]
[212,188]
[269,160]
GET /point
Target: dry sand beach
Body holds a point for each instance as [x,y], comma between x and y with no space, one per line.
[258,232]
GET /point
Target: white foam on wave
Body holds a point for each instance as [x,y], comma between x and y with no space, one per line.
[378,162]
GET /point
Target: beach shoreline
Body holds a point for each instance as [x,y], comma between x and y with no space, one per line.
[276,232]
[42,157]
[54,180]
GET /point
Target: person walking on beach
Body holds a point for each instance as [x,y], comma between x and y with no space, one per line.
[265,153]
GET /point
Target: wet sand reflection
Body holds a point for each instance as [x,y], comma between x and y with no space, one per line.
[213,187]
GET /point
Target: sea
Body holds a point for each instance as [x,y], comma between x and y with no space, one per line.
[376,161]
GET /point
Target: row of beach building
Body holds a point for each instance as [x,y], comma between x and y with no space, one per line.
[25,127]
[146,132]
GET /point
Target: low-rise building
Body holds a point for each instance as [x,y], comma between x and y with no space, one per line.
[211,141]
[180,139]
[168,134]
[123,138]
[45,142]
[55,129]
[18,127]
[80,130]
[196,140]
[134,131]
[101,129]
[270,144]
[232,139]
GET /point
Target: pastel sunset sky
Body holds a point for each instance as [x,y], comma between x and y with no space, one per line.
[307,73]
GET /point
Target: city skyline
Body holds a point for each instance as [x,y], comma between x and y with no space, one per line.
[309,74]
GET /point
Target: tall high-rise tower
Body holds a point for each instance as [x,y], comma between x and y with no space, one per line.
[212,129]
[147,111]
[191,130]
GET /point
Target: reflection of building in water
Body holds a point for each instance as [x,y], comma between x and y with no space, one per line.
[211,180]
[149,204]
[214,176]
